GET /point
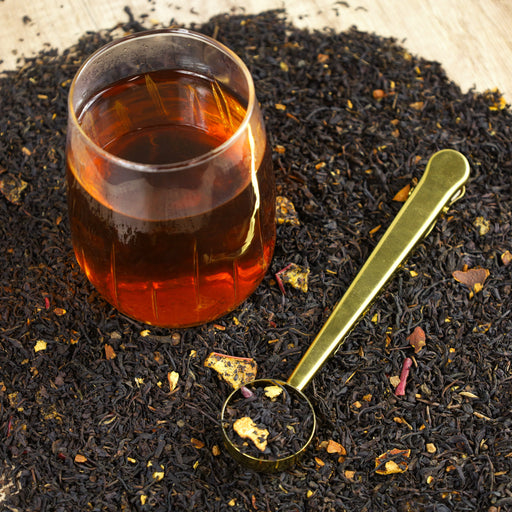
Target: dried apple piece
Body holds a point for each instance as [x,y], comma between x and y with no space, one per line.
[247,429]
[236,371]
[473,278]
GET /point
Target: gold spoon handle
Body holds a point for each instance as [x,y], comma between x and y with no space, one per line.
[441,184]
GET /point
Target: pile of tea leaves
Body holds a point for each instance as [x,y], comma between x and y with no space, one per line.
[100,413]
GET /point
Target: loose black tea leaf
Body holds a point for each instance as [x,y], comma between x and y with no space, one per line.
[81,430]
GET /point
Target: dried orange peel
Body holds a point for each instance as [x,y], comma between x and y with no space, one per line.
[247,429]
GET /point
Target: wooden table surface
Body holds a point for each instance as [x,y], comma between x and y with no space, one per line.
[471,38]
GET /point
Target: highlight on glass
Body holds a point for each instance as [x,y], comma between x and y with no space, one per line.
[171,192]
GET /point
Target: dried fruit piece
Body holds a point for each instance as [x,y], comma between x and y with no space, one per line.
[294,275]
[196,443]
[40,345]
[392,461]
[417,105]
[237,371]
[159,473]
[394,380]
[506,258]
[334,447]
[109,351]
[473,278]
[431,448]
[285,211]
[11,187]
[417,339]
[172,378]
[273,391]
[247,429]
[402,195]
[483,224]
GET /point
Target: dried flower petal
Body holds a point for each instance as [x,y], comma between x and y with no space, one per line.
[246,392]
[400,389]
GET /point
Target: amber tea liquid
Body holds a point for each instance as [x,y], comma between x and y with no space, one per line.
[164,245]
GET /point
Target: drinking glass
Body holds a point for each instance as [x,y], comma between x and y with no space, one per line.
[171,193]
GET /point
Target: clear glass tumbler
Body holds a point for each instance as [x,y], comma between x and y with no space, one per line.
[171,191]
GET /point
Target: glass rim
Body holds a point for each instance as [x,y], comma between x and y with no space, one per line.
[201,159]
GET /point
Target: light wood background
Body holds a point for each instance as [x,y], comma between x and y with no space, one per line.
[471,38]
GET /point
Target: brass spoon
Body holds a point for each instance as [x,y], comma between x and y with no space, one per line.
[440,186]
